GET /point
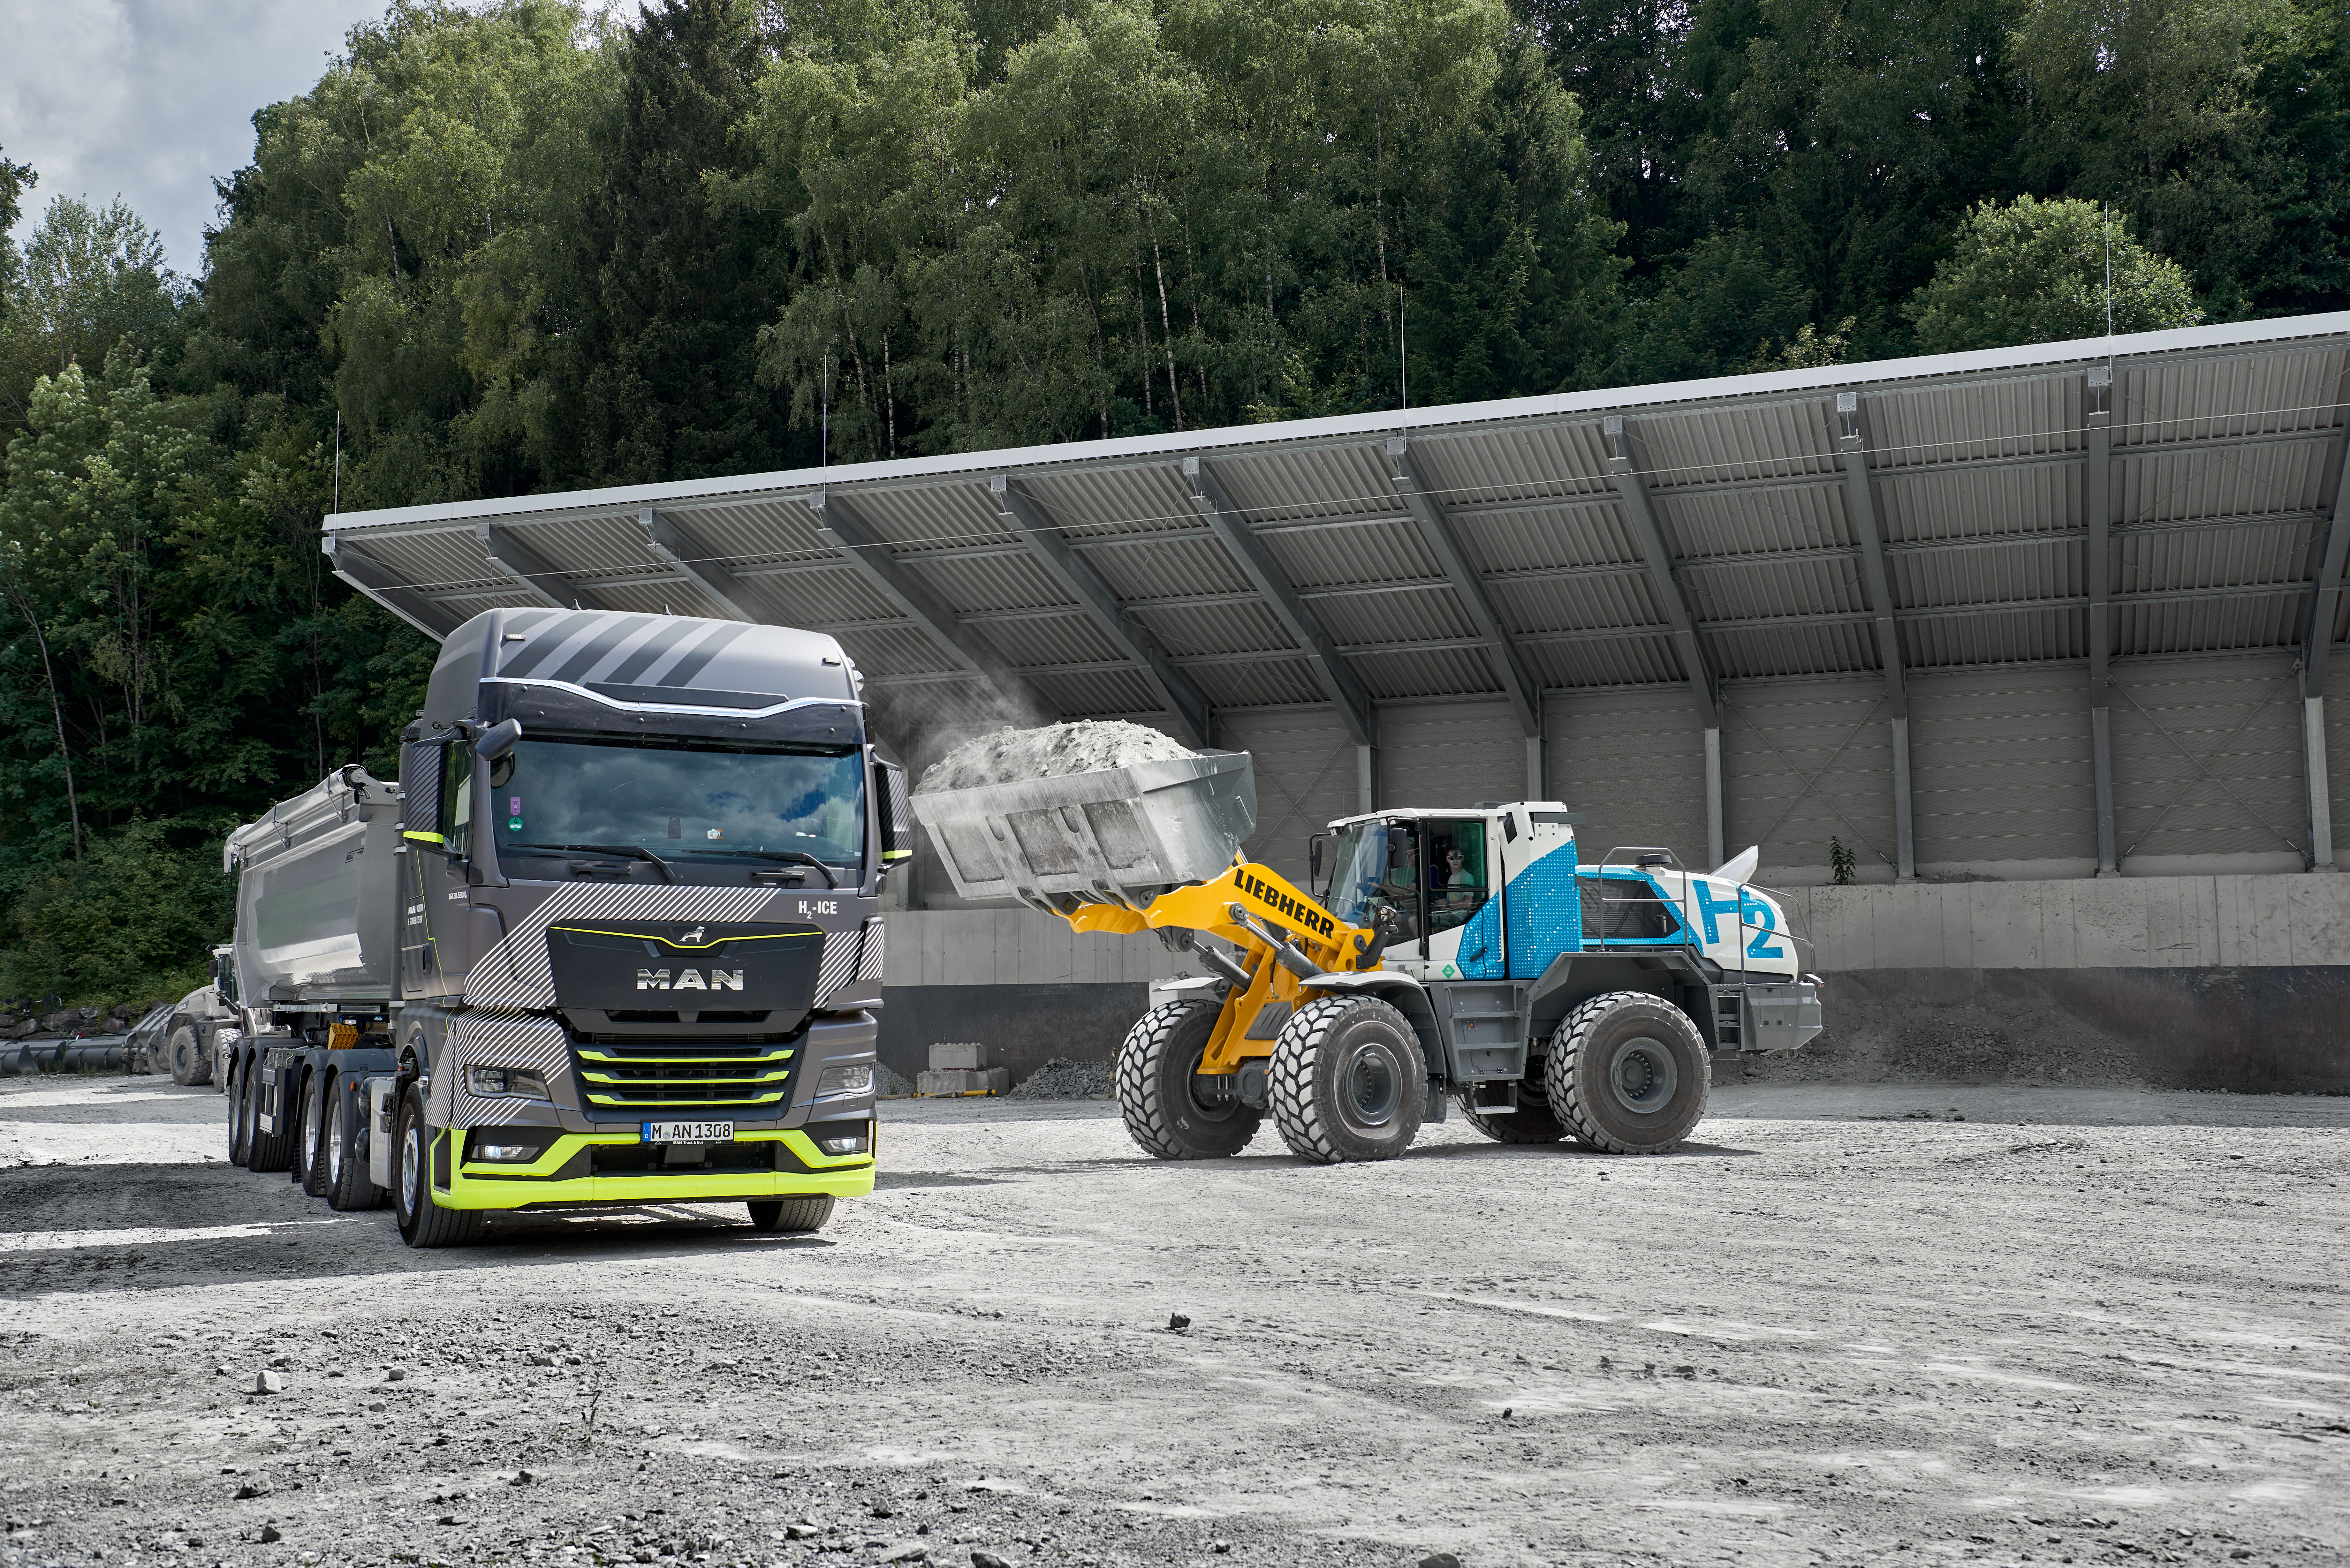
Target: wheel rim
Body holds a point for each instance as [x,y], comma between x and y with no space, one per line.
[1643,1075]
[415,1157]
[1371,1083]
[310,1131]
[335,1152]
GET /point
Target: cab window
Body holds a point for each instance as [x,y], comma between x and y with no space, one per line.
[457,797]
[1458,879]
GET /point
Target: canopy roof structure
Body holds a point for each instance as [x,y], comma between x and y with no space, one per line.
[2158,493]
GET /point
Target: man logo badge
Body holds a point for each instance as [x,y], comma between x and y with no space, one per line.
[689,980]
[691,937]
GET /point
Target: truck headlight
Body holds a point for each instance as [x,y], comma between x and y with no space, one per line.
[845,1081]
[512,1152]
[519,1081]
[857,1142]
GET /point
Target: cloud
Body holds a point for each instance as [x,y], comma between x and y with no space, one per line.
[153,98]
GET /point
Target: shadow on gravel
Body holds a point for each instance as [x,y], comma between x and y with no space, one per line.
[917,1178]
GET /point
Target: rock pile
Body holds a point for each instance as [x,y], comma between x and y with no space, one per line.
[71,1021]
[1084,747]
[1062,1079]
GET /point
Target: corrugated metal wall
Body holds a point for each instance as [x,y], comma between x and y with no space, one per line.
[1634,763]
[2207,767]
[1804,764]
[1449,755]
[1999,772]
[1304,777]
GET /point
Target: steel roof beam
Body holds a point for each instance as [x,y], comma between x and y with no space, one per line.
[542,582]
[1860,504]
[2316,649]
[371,576]
[695,563]
[1176,692]
[866,552]
[1437,533]
[2097,502]
[1231,527]
[1632,487]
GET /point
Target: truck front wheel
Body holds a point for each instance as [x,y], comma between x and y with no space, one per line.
[1349,1081]
[790,1216]
[1627,1073]
[422,1221]
[1158,1092]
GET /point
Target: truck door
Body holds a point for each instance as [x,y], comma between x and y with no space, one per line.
[1464,910]
[433,925]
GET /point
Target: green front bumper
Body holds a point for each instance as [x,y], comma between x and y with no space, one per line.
[554,1177]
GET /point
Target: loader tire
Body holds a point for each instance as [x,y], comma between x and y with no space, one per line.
[1349,1081]
[1627,1073]
[1163,1111]
[422,1221]
[268,1150]
[790,1216]
[346,1167]
[185,1053]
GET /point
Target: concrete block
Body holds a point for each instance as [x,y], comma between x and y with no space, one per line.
[989,1081]
[956,1056]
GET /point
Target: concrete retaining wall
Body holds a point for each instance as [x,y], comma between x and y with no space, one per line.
[2238,982]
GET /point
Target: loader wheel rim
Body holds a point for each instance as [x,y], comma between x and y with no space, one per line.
[1643,1075]
[1371,1083]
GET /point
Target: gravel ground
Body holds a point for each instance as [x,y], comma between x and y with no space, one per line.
[2078,1326]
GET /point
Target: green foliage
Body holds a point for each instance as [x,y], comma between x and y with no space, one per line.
[91,277]
[1843,865]
[132,922]
[2035,272]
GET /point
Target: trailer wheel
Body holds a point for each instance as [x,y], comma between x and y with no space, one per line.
[317,1095]
[268,1150]
[1155,1095]
[422,1221]
[790,1216]
[1349,1081]
[348,1186]
[1627,1073]
[239,1084]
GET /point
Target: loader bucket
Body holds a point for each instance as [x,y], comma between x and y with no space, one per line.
[1121,836]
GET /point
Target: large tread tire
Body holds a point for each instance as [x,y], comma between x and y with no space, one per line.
[790,1216]
[185,1053]
[1349,1082]
[268,1150]
[422,1221]
[239,1087]
[1153,1082]
[310,1155]
[347,1184]
[1628,1073]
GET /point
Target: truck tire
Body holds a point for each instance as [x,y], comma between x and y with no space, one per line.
[790,1216]
[1627,1073]
[348,1184]
[239,1086]
[310,1158]
[422,1221]
[1349,1081]
[189,1064]
[1155,1097]
[266,1150]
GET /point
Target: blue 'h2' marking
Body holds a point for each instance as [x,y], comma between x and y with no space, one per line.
[1708,909]
[1758,912]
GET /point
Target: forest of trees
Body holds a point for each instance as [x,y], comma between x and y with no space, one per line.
[513,246]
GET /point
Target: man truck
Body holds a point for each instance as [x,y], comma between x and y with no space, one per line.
[612,938]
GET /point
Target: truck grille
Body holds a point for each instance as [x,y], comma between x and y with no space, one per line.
[618,1079]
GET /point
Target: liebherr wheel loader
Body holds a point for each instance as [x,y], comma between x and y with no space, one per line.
[1465,954]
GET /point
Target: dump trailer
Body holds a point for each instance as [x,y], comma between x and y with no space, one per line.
[613,936]
[1463,954]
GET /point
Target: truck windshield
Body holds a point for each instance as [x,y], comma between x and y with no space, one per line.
[682,802]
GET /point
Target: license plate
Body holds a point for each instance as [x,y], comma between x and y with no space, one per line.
[687,1132]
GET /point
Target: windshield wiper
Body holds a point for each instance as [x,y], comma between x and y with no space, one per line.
[667,875]
[801,855]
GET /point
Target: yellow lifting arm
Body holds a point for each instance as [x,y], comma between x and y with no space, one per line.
[1254,909]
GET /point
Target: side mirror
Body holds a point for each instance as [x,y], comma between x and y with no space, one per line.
[498,740]
[893,812]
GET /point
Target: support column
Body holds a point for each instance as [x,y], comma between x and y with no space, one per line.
[2321,800]
[1536,788]
[1905,825]
[2097,491]
[1714,855]
[1366,778]
[1860,504]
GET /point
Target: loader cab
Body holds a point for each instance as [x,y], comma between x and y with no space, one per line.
[1439,872]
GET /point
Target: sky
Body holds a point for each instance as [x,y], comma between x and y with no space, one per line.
[152,99]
